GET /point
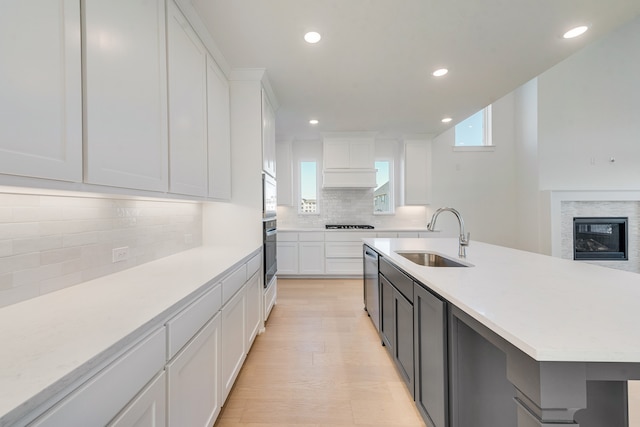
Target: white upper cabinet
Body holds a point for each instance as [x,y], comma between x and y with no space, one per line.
[349,153]
[126,94]
[417,172]
[41,89]
[187,74]
[219,132]
[348,162]
[268,136]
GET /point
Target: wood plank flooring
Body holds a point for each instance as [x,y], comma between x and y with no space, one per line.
[319,364]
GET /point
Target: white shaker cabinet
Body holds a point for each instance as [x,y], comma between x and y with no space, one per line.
[187,74]
[126,94]
[41,89]
[148,409]
[219,132]
[268,136]
[254,301]
[193,379]
[311,253]
[233,351]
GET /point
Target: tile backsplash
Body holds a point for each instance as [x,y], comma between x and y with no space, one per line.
[52,242]
[351,206]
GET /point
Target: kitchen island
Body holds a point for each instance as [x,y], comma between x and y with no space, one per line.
[543,337]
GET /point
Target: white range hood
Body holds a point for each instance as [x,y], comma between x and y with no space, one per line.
[349,178]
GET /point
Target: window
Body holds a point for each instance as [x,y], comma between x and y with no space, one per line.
[383,193]
[475,131]
[308,201]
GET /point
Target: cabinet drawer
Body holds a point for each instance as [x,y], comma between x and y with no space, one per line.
[233,282]
[387,234]
[343,250]
[101,398]
[344,266]
[253,265]
[182,327]
[349,236]
[311,236]
[285,236]
[400,280]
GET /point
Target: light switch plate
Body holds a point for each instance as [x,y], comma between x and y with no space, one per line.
[120,254]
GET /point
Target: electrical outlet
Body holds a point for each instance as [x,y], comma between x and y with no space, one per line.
[120,254]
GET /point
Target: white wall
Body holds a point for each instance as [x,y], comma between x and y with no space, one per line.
[527,168]
[481,185]
[589,111]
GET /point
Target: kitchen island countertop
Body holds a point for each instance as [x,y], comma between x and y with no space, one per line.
[552,309]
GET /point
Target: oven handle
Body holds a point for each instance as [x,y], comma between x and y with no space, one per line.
[271,232]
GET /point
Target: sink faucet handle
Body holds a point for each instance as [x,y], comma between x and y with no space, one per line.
[464,240]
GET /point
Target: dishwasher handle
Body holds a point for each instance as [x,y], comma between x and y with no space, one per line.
[372,255]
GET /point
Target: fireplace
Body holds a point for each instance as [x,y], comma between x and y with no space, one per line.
[603,238]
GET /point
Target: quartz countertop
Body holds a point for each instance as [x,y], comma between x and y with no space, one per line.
[550,308]
[50,340]
[374,230]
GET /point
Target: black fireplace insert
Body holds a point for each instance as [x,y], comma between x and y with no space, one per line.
[603,238]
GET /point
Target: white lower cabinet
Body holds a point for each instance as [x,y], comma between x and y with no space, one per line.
[103,396]
[233,343]
[311,257]
[193,379]
[287,258]
[254,297]
[148,409]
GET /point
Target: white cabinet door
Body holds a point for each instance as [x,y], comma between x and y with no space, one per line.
[336,154]
[254,309]
[233,342]
[126,94]
[361,154]
[311,257]
[287,258]
[187,74]
[219,132]
[193,379]
[41,89]
[417,172]
[268,136]
[148,409]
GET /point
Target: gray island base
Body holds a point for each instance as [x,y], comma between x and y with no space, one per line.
[514,339]
[494,384]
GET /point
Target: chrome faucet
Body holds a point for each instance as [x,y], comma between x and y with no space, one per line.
[464,240]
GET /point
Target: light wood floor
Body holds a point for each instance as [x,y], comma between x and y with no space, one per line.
[319,364]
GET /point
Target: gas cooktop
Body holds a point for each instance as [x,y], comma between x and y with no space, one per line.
[348,227]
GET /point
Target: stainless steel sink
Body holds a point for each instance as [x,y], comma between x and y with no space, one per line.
[430,259]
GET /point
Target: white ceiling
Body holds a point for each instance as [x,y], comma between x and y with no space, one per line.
[372,69]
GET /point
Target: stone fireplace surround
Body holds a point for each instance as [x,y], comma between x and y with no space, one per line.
[565,205]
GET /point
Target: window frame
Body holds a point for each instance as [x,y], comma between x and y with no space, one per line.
[392,204]
[299,187]
[487,133]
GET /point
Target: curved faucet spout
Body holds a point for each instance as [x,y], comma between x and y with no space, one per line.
[463,238]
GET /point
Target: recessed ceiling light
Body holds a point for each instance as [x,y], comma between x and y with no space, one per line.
[312,37]
[440,72]
[313,122]
[575,32]
[446,120]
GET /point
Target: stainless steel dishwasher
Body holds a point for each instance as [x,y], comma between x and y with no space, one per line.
[371,285]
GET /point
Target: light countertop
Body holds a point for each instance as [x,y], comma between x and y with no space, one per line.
[49,340]
[552,309]
[374,230]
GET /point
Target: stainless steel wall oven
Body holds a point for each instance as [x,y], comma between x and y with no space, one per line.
[270,237]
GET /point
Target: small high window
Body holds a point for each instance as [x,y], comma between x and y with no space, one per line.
[475,131]
[308,201]
[383,193]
